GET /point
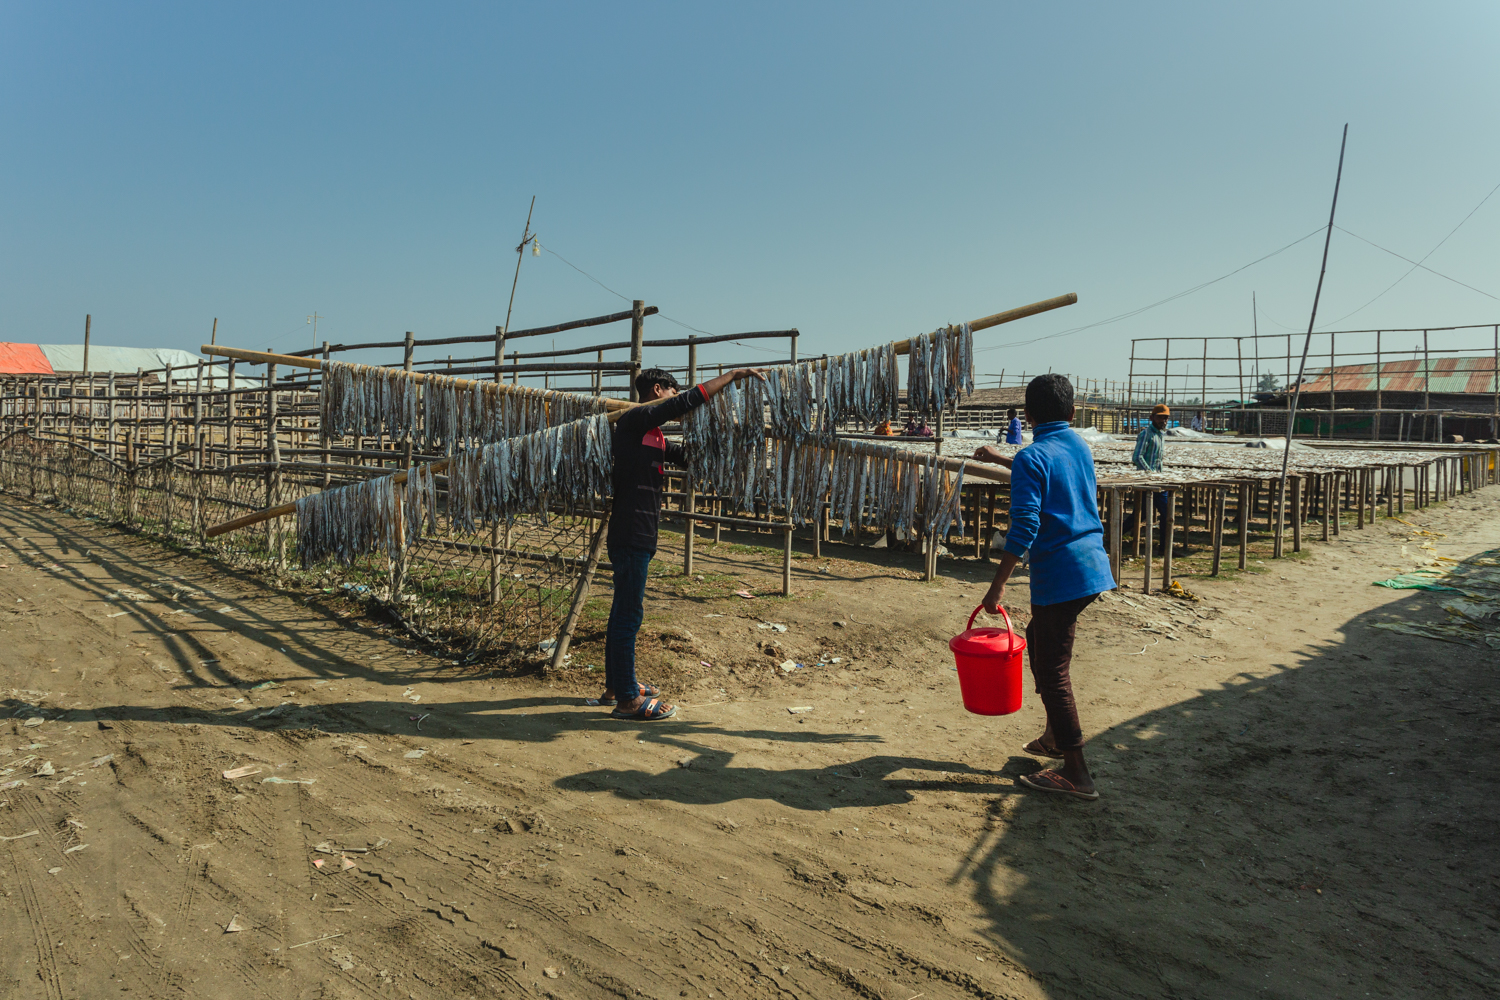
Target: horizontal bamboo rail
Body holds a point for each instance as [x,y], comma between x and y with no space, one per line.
[902,347]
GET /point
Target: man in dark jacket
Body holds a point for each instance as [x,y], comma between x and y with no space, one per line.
[640,452]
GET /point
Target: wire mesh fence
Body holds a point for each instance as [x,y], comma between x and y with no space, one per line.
[171,457]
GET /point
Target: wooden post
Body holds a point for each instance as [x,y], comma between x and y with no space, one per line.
[580,592]
[1139,502]
[407,351]
[1149,521]
[1359,488]
[989,527]
[1244,512]
[690,503]
[1216,528]
[786,559]
[1390,491]
[1116,529]
[323,436]
[169,447]
[978,522]
[109,416]
[637,333]
[1426,378]
[275,538]
[231,432]
[1169,540]
[1296,513]
[197,520]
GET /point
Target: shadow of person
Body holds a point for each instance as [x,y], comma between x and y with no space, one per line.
[709,778]
[1329,830]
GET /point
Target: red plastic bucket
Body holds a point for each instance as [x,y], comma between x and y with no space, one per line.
[989,667]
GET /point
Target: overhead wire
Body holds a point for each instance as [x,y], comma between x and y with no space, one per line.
[1419,263]
[1161,302]
[1416,264]
[669,319]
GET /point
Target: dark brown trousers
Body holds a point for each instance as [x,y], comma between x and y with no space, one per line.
[1049,643]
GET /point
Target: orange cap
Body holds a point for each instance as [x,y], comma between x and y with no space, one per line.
[1160,410]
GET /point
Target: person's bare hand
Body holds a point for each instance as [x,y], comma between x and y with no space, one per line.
[989,453]
[740,373]
[993,597]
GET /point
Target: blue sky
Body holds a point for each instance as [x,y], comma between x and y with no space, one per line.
[860,171]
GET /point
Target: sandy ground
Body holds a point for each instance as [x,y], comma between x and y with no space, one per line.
[1280,815]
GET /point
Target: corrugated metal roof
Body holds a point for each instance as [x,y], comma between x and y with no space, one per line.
[23,359]
[1476,375]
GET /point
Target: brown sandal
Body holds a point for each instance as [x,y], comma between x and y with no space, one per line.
[1051,781]
[1039,749]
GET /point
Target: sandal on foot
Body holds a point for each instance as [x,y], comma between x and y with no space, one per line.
[1051,781]
[606,700]
[651,710]
[1039,749]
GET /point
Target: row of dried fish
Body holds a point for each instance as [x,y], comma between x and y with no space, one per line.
[349,521]
[883,488]
[862,386]
[566,468]
[725,442]
[940,369]
[441,413]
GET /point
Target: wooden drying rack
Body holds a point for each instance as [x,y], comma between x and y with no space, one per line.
[615,407]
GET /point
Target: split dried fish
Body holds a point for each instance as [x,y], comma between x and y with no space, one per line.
[441,413]
[940,369]
[566,468]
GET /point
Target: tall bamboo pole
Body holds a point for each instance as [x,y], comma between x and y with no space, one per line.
[1286,453]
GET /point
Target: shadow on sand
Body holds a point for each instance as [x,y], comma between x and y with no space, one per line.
[1330,831]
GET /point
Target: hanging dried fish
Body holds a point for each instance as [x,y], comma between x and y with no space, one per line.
[443,414]
[564,468]
[725,442]
[940,369]
[348,522]
[862,386]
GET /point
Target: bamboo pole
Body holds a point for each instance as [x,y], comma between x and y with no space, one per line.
[580,594]
[1149,520]
[690,499]
[901,346]
[1216,512]
[1244,526]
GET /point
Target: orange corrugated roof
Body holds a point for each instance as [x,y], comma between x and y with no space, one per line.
[23,359]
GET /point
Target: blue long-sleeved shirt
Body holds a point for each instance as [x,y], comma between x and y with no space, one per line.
[1013,431]
[1150,443]
[1054,513]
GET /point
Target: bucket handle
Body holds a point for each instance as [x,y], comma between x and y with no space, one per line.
[1009,630]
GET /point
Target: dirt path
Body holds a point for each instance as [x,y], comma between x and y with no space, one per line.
[1287,811]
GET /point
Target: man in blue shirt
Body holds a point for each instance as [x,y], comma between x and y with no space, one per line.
[1054,517]
[1013,428]
[1150,446]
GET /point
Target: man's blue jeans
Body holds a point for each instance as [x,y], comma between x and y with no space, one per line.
[625,614]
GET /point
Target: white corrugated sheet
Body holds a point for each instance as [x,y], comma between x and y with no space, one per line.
[125,360]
